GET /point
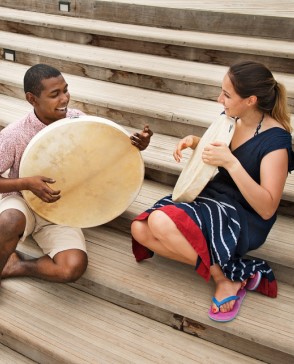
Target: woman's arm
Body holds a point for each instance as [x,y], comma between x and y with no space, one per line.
[265,197]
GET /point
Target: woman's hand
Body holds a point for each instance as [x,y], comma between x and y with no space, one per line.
[218,154]
[189,141]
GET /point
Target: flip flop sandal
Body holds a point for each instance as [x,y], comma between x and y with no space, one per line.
[253,283]
[227,316]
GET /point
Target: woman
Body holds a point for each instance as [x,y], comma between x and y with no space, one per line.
[236,210]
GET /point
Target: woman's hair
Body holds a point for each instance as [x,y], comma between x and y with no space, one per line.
[35,75]
[253,78]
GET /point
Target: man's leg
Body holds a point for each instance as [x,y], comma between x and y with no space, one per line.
[12,227]
[66,266]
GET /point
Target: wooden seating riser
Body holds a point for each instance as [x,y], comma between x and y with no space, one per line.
[212,56]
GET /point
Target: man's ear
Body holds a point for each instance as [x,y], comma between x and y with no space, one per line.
[31,98]
[252,100]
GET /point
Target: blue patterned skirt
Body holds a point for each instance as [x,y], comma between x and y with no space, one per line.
[213,228]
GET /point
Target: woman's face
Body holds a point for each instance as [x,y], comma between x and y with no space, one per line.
[234,105]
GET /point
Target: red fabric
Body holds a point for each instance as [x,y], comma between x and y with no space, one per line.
[190,231]
[268,288]
[141,252]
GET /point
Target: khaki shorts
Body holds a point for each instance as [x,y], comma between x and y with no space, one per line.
[50,237]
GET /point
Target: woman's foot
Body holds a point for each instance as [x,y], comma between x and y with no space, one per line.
[225,288]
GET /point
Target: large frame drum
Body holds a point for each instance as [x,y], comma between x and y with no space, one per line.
[94,164]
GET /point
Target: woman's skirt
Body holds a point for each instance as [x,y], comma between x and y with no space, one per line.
[215,230]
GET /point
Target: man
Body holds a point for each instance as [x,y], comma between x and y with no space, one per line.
[65,258]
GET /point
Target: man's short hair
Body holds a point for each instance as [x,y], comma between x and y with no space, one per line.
[35,75]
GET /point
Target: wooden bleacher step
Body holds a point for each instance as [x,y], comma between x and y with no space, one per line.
[55,323]
[9,356]
[158,156]
[201,80]
[172,293]
[134,69]
[183,44]
[253,19]
[127,105]
[121,311]
[159,162]
[278,249]
[175,115]
[199,15]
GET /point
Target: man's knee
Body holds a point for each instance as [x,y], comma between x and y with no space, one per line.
[73,264]
[12,223]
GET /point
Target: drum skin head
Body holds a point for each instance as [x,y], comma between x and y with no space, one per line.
[196,174]
[94,164]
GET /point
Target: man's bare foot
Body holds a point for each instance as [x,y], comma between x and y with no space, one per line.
[225,288]
[11,266]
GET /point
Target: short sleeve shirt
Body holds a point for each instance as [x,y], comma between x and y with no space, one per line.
[15,138]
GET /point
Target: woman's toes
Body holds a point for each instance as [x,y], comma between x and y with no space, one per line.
[214,308]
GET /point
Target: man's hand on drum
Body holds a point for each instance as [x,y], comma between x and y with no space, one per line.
[141,140]
[218,154]
[38,185]
[190,141]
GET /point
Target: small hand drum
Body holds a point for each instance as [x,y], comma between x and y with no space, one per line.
[196,174]
[94,164]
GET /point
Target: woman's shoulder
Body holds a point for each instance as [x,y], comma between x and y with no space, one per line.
[276,137]
[270,123]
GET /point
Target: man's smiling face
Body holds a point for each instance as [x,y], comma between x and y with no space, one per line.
[52,103]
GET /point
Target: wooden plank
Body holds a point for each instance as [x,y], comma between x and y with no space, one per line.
[189,45]
[9,356]
[157,156]
[85,329]
[233,43]
[167,285]
[224,18]
[105,94]
[161,289]
[278,249]
[200,80]
[268,7]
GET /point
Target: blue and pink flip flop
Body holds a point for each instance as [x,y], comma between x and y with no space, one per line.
[227,316]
